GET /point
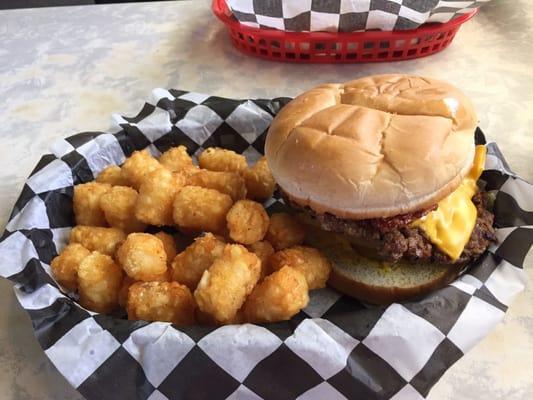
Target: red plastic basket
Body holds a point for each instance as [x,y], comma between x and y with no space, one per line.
[349,47]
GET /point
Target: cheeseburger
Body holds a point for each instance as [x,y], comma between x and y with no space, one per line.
[383,170]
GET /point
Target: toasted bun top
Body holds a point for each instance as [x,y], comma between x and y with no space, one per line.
[373,147]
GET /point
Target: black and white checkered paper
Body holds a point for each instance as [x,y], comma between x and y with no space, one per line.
[336,348]
[347,15]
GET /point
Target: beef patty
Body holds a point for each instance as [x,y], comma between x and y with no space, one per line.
[393,238]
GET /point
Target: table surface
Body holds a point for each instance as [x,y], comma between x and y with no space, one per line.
[65,70]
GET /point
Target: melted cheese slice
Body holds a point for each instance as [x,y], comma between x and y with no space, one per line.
[449,227]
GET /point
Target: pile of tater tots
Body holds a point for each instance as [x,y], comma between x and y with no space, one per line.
[242,266]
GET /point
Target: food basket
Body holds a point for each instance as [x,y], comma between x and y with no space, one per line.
[344,47]
[335,348]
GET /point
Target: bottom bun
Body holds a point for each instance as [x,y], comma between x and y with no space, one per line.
[378,282]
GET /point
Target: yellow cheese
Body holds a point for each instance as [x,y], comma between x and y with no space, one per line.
[449,227]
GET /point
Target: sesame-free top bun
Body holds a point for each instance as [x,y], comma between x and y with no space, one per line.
[373,147]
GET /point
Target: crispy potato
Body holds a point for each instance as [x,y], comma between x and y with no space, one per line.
[65,265]
[263,250]
[247,222]
[99,282]
[103,240]
[309,261]
[113,176]
[285,231]
[161,301]
[190,264]
[207,319]
[279,297]
[200,209]
[217,159]
[86,203]
[176,159]
[169,244]
[260,183]
[118,205]
[127,282]
[156,194]
[225,285]
[229,183]
[143,257]
[124,289]
[137,166]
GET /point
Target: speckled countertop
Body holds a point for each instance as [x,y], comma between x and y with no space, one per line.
[65,70]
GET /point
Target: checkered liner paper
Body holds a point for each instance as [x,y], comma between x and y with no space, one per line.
[347,15]
[336,348]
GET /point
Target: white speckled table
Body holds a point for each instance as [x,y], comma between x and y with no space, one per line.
[64,70]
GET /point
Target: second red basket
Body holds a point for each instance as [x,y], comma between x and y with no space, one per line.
[348,47]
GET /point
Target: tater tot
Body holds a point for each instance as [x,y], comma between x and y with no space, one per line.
[137,166]
[190,264]
[124,289]
[103,240]
[217,159]
[176,159]
[99,282]
[113,176]
[127,282]
[161,301]
[285,231]
[143,257]
[118,205]
[207,319]
[225,285]
[247,222]
[65,265]
[169,244]
[309,261]
[260,183]
[278,297]
[86,203]
[156,194]
[201,209]
[229,183]
[263,250]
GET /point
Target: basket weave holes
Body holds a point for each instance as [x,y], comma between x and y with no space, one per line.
[290,45]
[352,46]
[397,54]
[399,43]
